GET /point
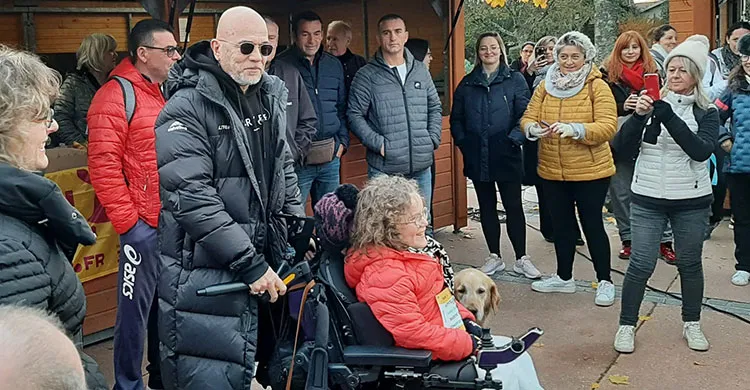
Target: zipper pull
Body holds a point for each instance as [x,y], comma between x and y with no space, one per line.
[316,92]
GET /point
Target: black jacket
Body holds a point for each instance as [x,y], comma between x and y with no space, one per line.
[325,85]
[485,124]
[529,78]
[214,227]
[300,113]
[351,63]
[36,223]
[72,106]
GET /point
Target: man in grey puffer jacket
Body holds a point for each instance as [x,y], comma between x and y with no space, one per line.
[395,110]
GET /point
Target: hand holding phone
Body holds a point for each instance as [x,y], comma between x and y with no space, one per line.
[651,81]
[631,102]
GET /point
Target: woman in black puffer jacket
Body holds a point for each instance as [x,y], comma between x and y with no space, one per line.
[37,224]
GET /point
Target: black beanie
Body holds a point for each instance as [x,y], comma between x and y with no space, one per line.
[418,48]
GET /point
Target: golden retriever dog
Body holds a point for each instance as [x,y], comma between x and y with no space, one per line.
[477,292]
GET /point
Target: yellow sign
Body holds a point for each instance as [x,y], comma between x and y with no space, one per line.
[100,259]
[449,310]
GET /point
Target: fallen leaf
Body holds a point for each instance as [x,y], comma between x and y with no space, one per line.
[594,285]
[538,345]
[595,386]
[619,379]
[700,364]
[644,318]
[468,236]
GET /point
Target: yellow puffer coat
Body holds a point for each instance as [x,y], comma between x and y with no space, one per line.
[566,159]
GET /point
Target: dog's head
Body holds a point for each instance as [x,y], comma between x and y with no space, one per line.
[477,292]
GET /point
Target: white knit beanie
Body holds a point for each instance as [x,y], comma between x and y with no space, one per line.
[575,38]
[694,48]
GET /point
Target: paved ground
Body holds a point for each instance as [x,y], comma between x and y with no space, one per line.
[576,351]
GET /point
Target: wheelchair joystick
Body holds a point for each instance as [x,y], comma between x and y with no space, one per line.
[487,342]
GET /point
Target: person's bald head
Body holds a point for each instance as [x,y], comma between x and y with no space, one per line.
[236,26]
[36,353]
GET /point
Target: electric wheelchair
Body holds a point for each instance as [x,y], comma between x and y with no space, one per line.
[330,340]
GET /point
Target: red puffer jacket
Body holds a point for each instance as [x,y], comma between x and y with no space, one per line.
[122,158]
[400,288]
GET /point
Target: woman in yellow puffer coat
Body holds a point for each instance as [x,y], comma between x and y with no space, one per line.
[574,116]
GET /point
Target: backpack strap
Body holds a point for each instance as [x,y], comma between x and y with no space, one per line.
[128,94]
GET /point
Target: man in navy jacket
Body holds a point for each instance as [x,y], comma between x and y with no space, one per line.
[324,79]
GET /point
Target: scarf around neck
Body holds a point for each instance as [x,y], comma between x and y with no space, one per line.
[566,83]
[731,60]
[633,77]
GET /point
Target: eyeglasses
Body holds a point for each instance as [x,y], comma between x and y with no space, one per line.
[47,121]
[170,50]
[247,48]
[418,220]
[744,58]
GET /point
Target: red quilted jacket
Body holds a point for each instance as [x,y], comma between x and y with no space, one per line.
[122,158]
[400,288]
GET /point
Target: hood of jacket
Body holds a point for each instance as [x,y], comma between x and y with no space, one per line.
[199,69]
[477,77]
[378,60]
[35,200]
[359,260]
[127,70]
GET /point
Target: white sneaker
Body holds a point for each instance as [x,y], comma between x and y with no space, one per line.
[493,264]
[526,268]
[741,278]
[605,293]
[625,339]
[696,340]
[554,284]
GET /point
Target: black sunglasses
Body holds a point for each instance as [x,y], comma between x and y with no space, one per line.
[170,50]
[247,48]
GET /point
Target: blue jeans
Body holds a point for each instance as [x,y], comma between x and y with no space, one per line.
[424,181]
[320,179]
[647,226]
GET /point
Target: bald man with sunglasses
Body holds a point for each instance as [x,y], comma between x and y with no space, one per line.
[226,175]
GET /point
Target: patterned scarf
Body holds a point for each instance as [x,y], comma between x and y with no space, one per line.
[436,250]
[731,60]
[564,82]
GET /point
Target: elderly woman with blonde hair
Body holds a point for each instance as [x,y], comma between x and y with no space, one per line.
[39,229]
[95,58]
[401,273]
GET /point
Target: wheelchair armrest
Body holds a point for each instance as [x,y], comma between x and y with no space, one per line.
[368,355]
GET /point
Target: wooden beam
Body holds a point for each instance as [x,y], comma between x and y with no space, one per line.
[457,71]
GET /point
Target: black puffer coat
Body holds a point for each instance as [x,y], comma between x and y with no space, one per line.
[36,224]
[213,224]
[485,124]
[72,106]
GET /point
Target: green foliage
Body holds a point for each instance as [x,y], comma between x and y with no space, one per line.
[519,22]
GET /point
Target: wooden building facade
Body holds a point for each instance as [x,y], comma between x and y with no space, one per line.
[54,30]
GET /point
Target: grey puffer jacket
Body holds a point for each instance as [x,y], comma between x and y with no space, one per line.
[36,225]
[406,118]
[214,227]
[71,108]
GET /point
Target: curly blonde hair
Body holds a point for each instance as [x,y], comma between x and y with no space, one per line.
[381,205]
[27,89]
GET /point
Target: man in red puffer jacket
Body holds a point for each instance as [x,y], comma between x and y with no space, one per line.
[122,165]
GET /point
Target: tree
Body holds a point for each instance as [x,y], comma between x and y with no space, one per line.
[519,21]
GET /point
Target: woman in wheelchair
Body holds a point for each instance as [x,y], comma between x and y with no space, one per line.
[408,288]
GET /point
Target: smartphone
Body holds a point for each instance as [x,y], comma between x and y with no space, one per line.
[652,85]
[540,51]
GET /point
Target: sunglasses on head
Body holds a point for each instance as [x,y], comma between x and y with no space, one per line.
[247,48]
